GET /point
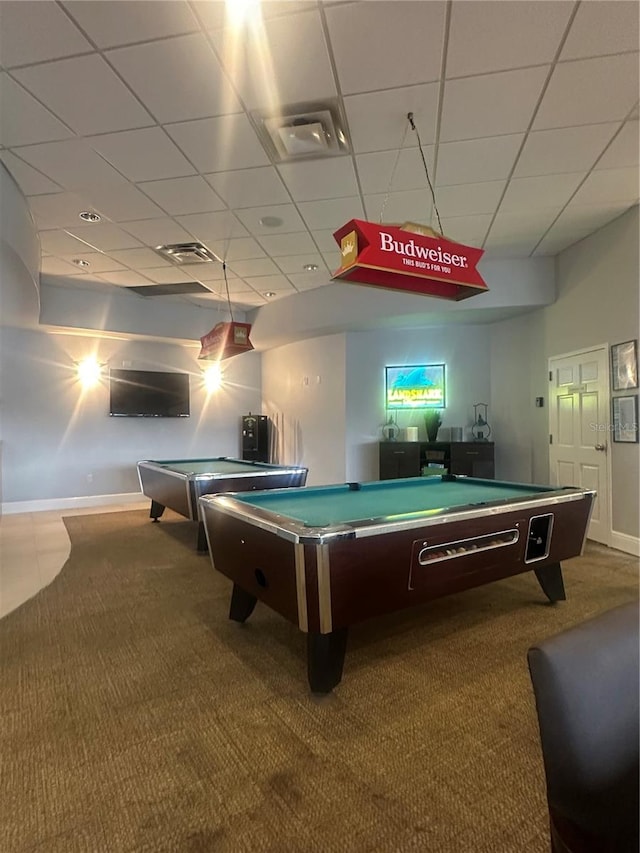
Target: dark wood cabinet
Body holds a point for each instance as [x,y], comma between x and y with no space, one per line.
[409,458]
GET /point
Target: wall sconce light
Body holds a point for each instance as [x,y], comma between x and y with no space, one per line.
[212,377]
[89,372]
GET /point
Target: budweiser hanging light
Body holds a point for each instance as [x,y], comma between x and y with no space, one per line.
[410,257]
[225,340]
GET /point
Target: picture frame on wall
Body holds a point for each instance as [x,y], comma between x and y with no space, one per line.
[625,419]
[624,365]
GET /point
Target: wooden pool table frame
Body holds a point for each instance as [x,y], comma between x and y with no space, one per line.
[181,491]
[315,577]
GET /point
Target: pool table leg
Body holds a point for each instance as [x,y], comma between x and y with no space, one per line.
[325,659]
[242,604]
[202,537]
[550,579]
[156,510]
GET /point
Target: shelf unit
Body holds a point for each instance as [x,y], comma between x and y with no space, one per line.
[409,458]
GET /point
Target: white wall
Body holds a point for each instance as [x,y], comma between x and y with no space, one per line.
[60,442]
[333,426]
[303,387]
[598,286]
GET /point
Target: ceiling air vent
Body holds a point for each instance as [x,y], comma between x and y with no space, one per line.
[303,131]
[187,253]
[181,288]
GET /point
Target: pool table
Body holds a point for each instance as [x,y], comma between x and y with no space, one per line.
[179,483]
[327,557]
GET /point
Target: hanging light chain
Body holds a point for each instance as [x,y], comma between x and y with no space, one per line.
[426,169]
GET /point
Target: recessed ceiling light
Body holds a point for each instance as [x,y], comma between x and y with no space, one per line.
[80,262]
[310,267]
[271,221]
[90,216]
[269,293]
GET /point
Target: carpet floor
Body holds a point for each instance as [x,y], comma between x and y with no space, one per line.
[134,716]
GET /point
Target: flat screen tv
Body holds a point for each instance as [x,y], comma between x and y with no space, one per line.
[415,386]
[148,394]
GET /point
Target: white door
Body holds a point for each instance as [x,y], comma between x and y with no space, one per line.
[578,429]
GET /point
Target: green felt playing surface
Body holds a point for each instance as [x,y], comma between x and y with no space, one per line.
[217,467]
[325,506]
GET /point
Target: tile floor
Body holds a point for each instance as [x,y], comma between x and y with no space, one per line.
[33,548]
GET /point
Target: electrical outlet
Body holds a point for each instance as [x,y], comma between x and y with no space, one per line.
[89,477]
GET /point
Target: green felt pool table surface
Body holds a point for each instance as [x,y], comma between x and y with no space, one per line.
[325,506]
[215,467]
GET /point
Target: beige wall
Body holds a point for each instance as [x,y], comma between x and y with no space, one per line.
[598,289]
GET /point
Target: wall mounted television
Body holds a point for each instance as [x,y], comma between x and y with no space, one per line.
[148,394]
[415,386]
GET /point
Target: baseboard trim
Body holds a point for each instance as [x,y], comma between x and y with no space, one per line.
[71,503]
[626,543]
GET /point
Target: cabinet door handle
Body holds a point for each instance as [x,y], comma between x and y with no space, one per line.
[473,452]
[399,452]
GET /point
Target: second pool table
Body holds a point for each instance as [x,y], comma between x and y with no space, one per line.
[327,557]
[179,483]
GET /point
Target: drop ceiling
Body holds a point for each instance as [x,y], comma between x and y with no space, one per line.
[152,114]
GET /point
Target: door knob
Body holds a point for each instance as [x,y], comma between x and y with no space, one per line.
[600,447]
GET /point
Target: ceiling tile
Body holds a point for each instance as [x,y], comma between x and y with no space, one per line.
[59,242]
[565,149]
[249,187]
[520,227]
[608,186]
[325,240]
[137,258]
[542,192]
[277,286]
[331,213]
[588,91]
[251,217]
[213,227]
[56,266]
[469,199]
[332,259]
[310,280]
[142,155]
[513,35]
[70,87]
[510,249]
[601,28]
[587,218]
[159,232]
[35,32]
[624,149]
[104,236]
[290,264]
[98,261]
[30,121]
[378,121]
[386,171]
[132,22]
[409,206]
[469,230]
[284,61]
[296,243]
[30,181]
[169,274]
[240,248]
[57,210]
[71,163]
[217,144]
[254,267]
[156,72]
[126,278]
[123,203]
[399,30]
[477,160]
[491,105]
[314,179]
